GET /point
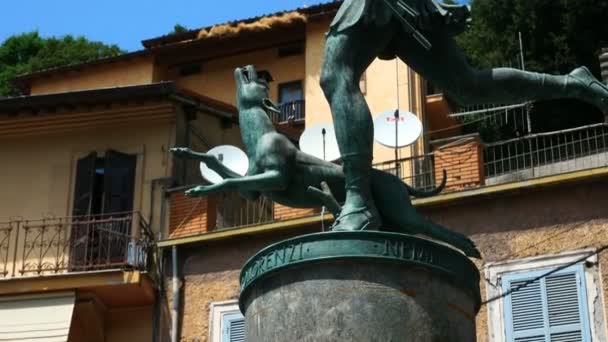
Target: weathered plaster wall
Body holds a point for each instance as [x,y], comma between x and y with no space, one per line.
[506,227]
[541,222]
[124,73]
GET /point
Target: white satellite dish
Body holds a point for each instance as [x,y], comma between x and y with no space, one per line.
[397,131]
[232,157]
[320,141]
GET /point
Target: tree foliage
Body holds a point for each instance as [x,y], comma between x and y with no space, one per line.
[28,52]
[558,35]
[179,29]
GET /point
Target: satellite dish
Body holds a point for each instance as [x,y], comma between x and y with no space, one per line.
[408,128]
[232,157]
[320,141]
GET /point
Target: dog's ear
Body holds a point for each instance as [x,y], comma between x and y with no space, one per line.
[270,106]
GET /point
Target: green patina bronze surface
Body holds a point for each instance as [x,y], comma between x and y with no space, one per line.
[350,246]
[283,173]
[419,32]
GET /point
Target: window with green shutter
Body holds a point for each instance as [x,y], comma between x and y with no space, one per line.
[233,327]
[550,309]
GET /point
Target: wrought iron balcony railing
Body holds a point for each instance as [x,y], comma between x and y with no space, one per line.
[291,112]
[75,244]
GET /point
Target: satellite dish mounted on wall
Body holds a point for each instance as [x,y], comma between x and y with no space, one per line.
[320,141]
[397,128]
[232,157]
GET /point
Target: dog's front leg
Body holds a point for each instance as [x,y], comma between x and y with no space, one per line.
[210,160]
[268,181]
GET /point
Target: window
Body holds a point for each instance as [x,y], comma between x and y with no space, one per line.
[233,327]
[104,185]
[227,323]
[291,101]
[526,304]
[103,199]
[552,308]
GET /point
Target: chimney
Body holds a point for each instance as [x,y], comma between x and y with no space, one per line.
[604,64]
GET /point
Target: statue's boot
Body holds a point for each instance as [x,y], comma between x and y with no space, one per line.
[359,211]
[588,88]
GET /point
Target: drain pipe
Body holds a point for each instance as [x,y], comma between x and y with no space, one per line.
[175,302]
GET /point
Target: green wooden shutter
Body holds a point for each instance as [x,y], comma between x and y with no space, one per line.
[233,328]
[550,309]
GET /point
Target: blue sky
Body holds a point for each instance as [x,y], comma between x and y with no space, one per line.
[127,22]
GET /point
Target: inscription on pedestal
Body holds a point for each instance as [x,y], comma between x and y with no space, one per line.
[344,245]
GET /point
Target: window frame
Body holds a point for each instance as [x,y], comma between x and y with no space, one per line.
[577,269]
[495,274]
[219,311]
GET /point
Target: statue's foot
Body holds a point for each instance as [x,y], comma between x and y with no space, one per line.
[362,218]
[592,90]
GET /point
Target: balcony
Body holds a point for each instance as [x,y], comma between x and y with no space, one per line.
[546,154]
[53,246]
[468,162]
[290,112]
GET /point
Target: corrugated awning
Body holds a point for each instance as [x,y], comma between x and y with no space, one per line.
[40,318]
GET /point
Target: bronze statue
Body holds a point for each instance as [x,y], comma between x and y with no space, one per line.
[419,32]
[281,172]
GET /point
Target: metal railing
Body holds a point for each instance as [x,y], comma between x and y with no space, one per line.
[75,244]
[291,112]
[417,171]
[233,211]
[516,117]
[544,154]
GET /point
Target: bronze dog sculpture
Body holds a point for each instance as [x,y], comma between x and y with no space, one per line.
[286,175]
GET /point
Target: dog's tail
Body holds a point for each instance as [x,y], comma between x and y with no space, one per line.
[428,193]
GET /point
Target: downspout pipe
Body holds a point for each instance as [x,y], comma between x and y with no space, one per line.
[176,297]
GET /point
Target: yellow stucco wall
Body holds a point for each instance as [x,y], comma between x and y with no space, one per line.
[216,79]
[139,70]
[382,93]
[129,325]
[39,177]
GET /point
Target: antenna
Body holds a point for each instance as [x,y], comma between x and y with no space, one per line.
[231,156]
[320,141]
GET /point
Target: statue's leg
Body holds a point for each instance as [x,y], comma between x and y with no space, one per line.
[445,65]
[347,55]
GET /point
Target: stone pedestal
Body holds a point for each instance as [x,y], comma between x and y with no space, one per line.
[359,286]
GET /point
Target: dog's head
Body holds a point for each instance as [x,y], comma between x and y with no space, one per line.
[252,90]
